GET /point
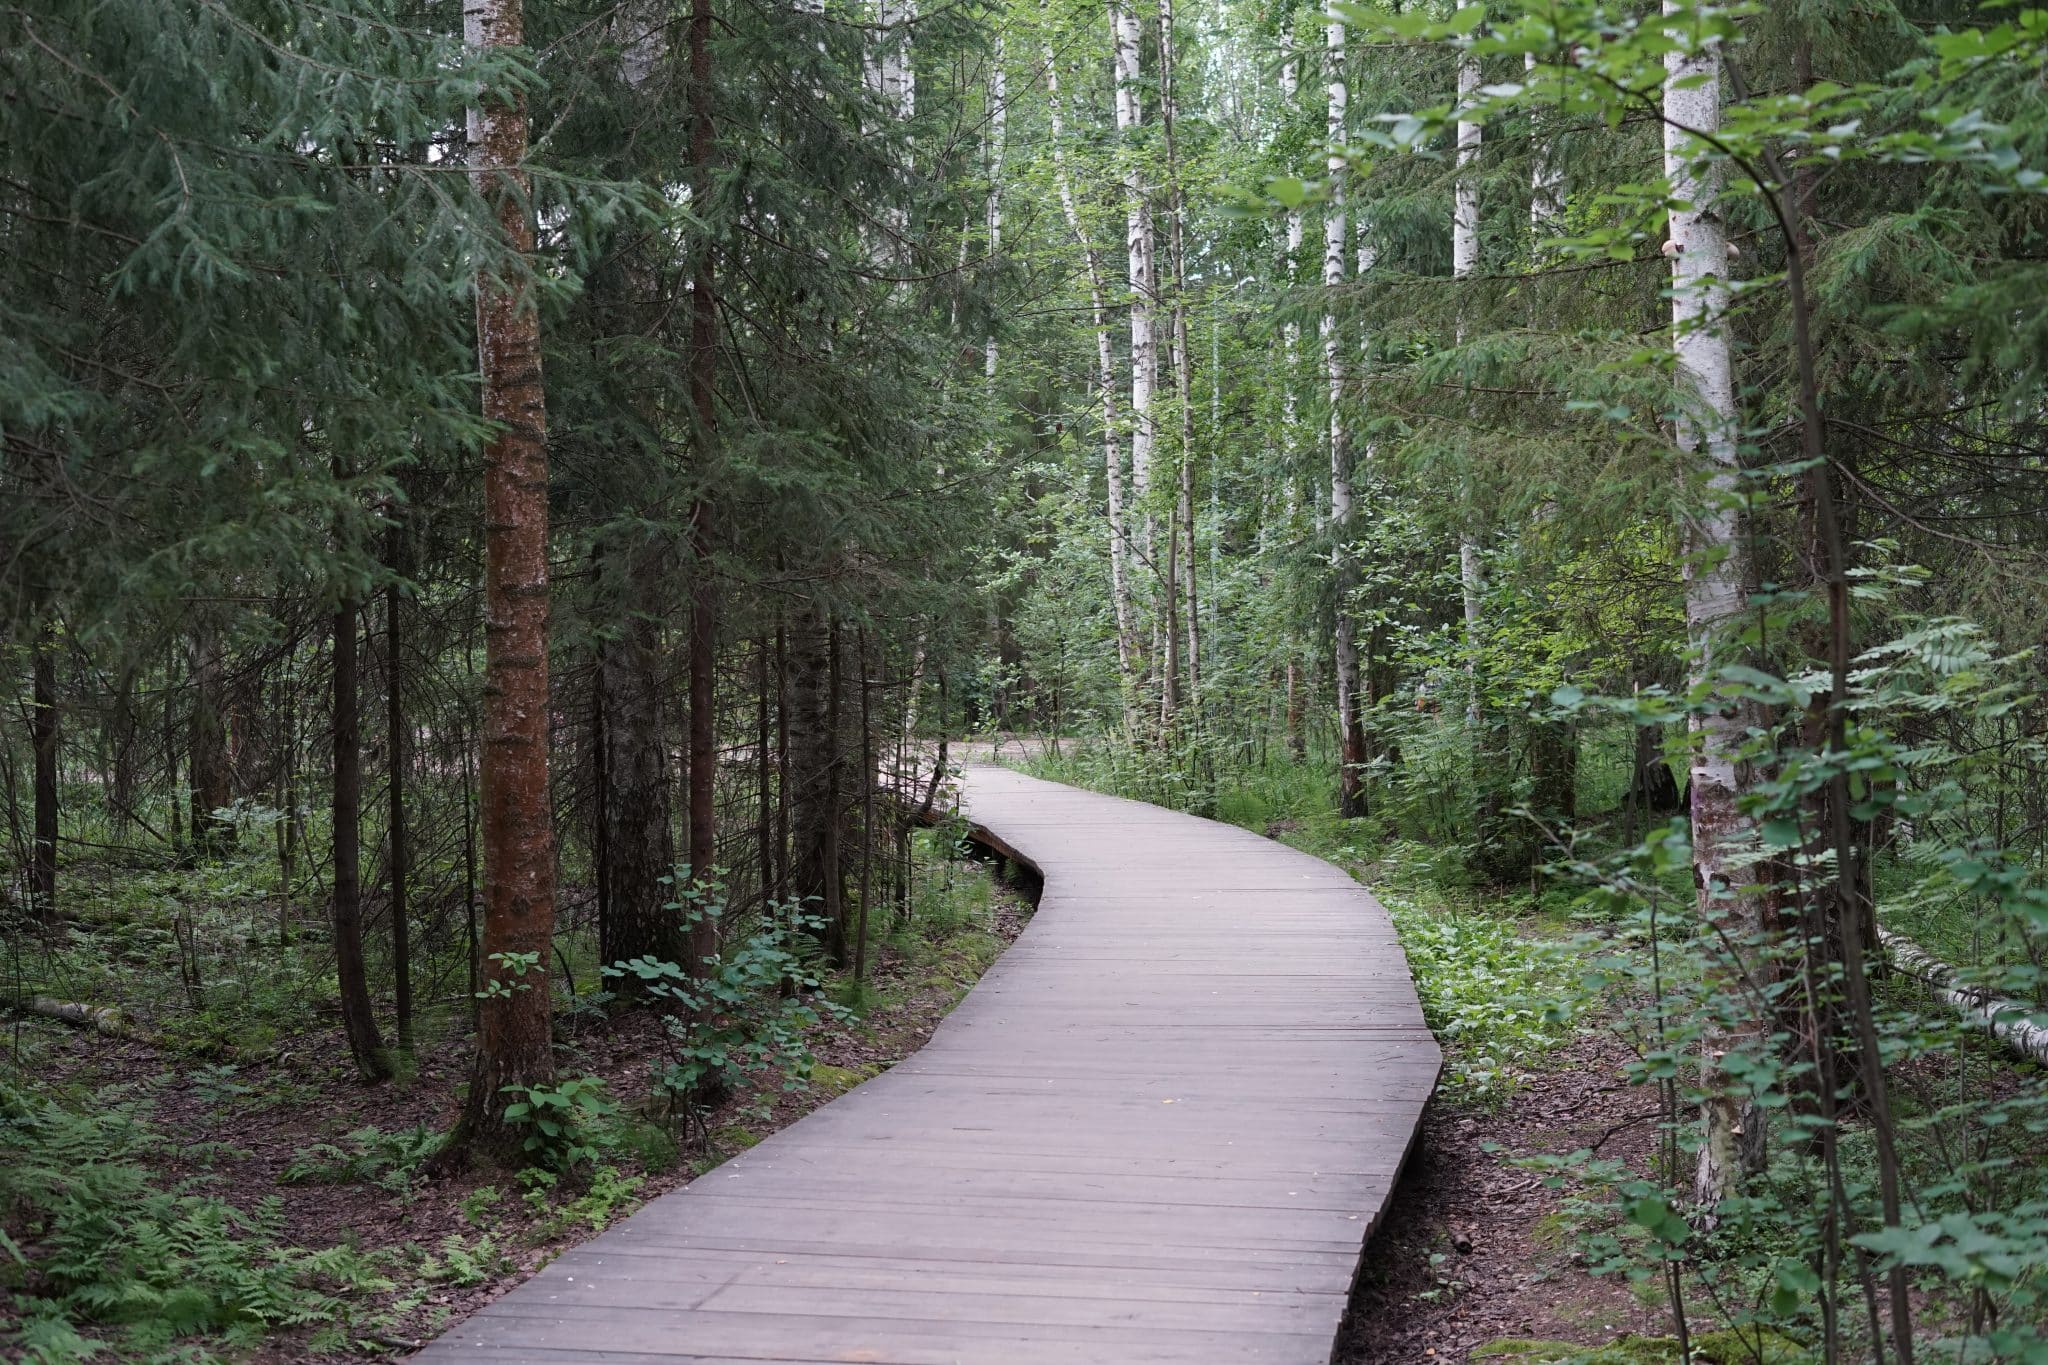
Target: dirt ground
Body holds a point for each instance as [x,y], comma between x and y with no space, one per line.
[1473,1248]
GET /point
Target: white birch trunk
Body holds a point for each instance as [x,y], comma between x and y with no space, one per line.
[1105,376]
[998,130]
[1290,403]
[1182,375]
[1716,568]
[1465,264]
[1350,738]
[1130,119]
[1546,189]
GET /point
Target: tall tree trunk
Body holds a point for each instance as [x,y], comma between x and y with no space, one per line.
[635,846]
[998,144]
[1498,855]
[1350,718]
[702,935]
[812,746]
[213,776]
[399,734]
[1130,121]
[764,784]
[44,737]
[1183,375]
[633,842]
[358,1018]
[1465,264]
[122,727]
[513,1045]
[1717,576]
[1290,428]
[1112,440]
[867,816]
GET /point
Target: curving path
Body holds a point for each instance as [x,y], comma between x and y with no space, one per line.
[1158,1130]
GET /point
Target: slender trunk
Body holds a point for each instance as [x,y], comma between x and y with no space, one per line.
[122,729]
[1850,909]
[1297,738]
[399,735]
[212,775]
[867,817]
[1717,573]
[1112,440]
[783,798]
[1464,264]
[998,142]
[1350,726]
[44,738]
[634,845]
[832,844]
[764,786]
[358,1019]
[1290,429]
[703,931]
[513,1044]
[1130,122]
[1183,375]
[811,744]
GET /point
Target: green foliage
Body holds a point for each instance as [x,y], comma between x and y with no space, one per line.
[121,1264]
[747,1016]
[1499,998]
[388,1160]
[564,1124]
[606,1195]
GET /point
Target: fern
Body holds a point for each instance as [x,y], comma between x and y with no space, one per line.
[125,1268]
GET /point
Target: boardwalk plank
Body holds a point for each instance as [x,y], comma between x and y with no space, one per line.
[1158,1132]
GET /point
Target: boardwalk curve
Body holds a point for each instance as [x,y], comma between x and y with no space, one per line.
[1158,1131]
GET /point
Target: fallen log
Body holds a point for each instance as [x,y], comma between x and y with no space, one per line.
[102,1019]
[2005,1019]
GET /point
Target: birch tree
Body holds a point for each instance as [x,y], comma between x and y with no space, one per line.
[1350,730]
[1142,277]
[1290,419]
[1106,386]
[1180,557]
[1465,264]
[1717,575]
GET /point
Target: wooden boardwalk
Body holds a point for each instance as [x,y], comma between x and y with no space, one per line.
[1158,1130]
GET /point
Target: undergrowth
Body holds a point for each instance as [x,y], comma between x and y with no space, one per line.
[104,1260]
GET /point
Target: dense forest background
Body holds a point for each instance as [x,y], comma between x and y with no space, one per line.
[510,513]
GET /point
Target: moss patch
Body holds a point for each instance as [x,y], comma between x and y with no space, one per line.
[837,1080]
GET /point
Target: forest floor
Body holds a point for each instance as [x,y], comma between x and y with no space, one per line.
[450,1246]
[1476,1252]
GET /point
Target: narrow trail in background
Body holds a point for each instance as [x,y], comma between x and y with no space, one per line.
[1158,1130]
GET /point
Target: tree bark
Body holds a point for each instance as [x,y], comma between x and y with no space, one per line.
[358,1018]
[45,735]
[701,935]
[213,776]
[517,826]
[1130,121]
[1112,440]
[636,849]
[1717,574]
[399,735]
[1350,719]
[1183,376]
[813,776]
